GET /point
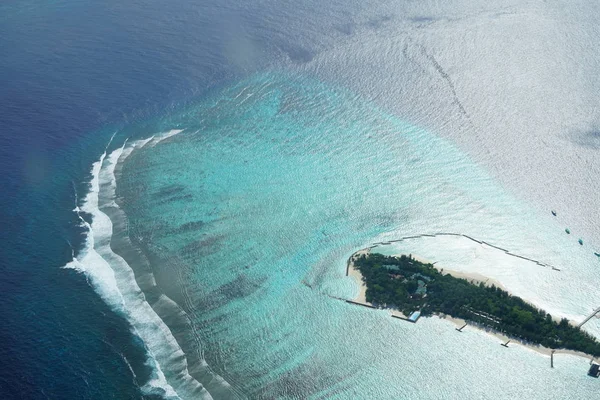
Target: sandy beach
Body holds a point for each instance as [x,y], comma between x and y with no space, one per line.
[503,338]
[474,278]
[361,298]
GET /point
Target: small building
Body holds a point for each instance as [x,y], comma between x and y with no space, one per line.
[594,370]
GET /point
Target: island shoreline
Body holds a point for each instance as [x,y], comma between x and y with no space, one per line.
[474,278]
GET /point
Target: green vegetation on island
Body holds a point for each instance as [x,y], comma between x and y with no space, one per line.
[409,285]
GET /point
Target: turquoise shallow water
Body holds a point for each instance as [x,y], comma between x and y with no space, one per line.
[249,215]
[254,253]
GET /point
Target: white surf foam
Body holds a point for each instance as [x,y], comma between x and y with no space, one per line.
[114,281]
[162,136]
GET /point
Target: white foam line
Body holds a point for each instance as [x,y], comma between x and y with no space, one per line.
[109,142]
[240,93]
[247,97]
[114,281]
[156,139]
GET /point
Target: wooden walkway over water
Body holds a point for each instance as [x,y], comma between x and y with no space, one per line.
[596,311]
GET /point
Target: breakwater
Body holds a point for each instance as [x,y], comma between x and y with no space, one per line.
[481,242]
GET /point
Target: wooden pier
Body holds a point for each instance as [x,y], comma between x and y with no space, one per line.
[360,304]
[403,318]
[596,311]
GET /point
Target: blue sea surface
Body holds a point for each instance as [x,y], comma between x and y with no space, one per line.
[210,263]
[248,216]
[72,73]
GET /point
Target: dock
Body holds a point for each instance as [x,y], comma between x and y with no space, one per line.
[596,311]
[403,318]
[360,304]
[393,313]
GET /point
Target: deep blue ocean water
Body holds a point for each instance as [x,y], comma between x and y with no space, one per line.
[69,69]
[73,74]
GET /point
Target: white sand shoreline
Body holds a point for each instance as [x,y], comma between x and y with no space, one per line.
[474,278]
[361,298]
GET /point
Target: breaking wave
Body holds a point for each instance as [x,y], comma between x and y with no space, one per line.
[115,282]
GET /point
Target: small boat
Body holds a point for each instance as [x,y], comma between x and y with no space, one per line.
[597,254]
[568,231]
[554,213]
[580,242]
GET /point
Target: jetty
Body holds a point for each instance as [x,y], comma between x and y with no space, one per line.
[394,314]
[358,303]
[403,318]
[596,311]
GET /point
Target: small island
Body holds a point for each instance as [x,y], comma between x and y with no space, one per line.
[409,285]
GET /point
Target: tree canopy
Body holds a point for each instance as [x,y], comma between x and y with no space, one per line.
[409,285]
